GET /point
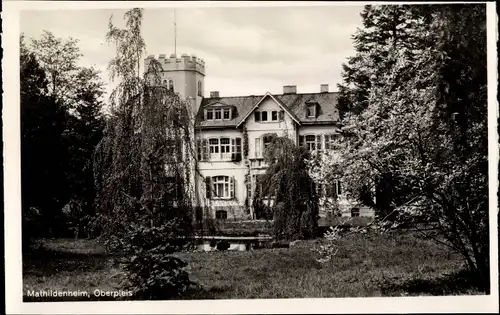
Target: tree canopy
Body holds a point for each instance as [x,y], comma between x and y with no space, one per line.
[423,122]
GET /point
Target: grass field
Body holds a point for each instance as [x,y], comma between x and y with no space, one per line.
[395,264]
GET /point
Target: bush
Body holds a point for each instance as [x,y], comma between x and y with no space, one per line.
[152,273]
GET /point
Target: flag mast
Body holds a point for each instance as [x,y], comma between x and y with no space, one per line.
[175,35]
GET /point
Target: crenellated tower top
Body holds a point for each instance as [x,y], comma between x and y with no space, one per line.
[173,63]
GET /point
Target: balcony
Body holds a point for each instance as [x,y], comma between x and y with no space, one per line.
[225,157]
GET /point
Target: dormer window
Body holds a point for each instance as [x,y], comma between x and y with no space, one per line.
[311,110]
[209,114]
[227,113]
[218,114]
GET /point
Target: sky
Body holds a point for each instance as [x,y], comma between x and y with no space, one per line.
[247,50]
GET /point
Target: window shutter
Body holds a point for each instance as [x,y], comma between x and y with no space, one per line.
[339,191]
[231,186]
[301,141]
[179,188]
[205,150]
[318,142]
[198,149]
[238,147]
[282,115]
[208,187]
[178,148]
[327,142]
[257,116]
[233,149]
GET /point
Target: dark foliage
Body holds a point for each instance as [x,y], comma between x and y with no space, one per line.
[291,189]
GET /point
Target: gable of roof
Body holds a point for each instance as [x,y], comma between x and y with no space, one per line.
[278,101]
[296,104]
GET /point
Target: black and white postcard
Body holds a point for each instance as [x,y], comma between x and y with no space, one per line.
[250,157]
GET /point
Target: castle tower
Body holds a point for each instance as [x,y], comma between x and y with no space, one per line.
[186,75]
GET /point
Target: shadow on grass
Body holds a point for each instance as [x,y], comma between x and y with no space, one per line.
[462,282]
[41,261]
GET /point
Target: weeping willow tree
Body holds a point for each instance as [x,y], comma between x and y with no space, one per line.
[287,184]
[143,171]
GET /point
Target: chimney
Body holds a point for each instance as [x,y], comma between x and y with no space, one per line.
[214,94]
[289,89]
[324,88]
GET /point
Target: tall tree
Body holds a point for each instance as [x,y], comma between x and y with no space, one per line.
[43,119]
[383,26]
[79,90]
[83,133]
[425,122]
[59,57]
[142,167]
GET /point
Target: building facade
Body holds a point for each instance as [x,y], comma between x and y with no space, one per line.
[232,133]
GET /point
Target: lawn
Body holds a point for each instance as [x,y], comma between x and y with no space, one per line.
[394,264]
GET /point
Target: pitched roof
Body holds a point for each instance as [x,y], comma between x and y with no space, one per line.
[295,103]
[277,100]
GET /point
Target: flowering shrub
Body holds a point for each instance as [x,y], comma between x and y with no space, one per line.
[331,243]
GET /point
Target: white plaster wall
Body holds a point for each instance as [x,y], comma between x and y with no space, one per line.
[224,168]
[258,129]
[186,84]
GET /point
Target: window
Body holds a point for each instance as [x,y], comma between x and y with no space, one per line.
[236,149]
[214,148]
[171,84]
[222,187]
[274,115]
[200,89]
[266,140]
[165,83]
[221,215]
[202,148]
[330,141]
[222,149]
[269,116]
[257,147]
[209,114]
[225,148]
[218,114]
[355,212]
[227,113]
[311,110]
[311,142]
[264,116]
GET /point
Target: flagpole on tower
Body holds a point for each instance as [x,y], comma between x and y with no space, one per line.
[175,35]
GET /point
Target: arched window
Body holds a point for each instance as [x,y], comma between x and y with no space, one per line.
[355,212]
[200,88]
[171,84]
[165,82]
